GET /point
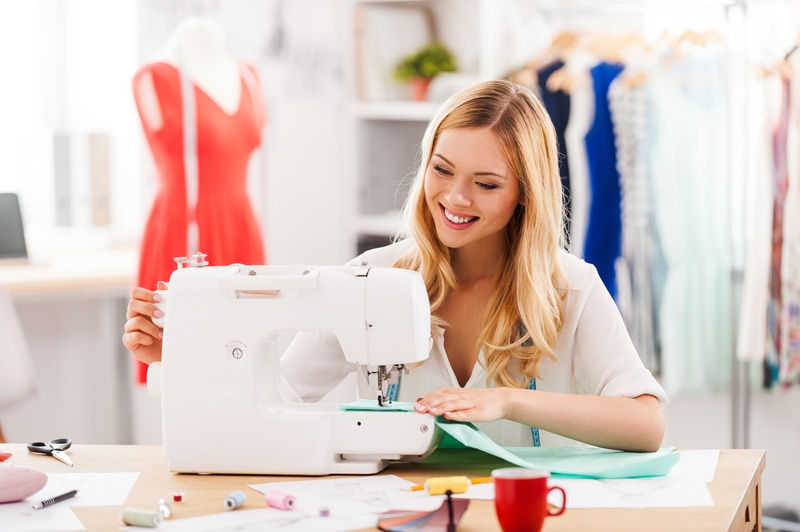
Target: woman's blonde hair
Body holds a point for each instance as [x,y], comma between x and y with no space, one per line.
[528,300]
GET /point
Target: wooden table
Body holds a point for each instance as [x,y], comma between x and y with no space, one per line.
[736,490]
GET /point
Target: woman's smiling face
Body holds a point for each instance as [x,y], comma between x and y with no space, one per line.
[470,189]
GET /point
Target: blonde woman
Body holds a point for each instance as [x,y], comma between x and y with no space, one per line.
[528,344]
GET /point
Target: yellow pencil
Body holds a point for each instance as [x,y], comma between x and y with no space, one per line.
[481,480]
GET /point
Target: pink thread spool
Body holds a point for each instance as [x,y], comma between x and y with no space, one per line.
[281,501]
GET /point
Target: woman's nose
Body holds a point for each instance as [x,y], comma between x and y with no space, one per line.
[459,194]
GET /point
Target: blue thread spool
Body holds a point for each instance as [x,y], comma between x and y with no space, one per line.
[235,500]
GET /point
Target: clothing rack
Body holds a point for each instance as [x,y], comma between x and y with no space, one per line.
[734,15]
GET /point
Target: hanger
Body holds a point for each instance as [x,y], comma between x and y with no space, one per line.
[560,46]
[782,67]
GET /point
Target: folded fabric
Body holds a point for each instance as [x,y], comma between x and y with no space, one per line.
[582,462]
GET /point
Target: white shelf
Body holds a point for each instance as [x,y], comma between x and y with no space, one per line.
[379,224]
[399,110]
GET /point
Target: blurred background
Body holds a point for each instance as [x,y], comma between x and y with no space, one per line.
[339,144]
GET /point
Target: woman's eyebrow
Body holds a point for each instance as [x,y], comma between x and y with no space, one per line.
[476,173]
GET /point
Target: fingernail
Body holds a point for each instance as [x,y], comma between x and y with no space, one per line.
[434,410]
[418,406]
[158,313]
[161,334]
[156,297]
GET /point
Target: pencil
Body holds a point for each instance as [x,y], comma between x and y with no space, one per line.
[473,481]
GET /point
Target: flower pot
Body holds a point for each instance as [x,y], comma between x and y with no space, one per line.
[419,88]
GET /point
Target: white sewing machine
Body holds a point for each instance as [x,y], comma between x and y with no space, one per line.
[219,379]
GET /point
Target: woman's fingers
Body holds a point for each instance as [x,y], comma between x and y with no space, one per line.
[143,325]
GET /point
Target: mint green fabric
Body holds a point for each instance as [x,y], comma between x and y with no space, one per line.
[581,462]
[372,404]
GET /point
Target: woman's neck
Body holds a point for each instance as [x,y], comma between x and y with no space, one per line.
[478,264]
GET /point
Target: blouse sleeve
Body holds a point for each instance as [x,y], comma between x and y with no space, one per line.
[314,364]
[605,361]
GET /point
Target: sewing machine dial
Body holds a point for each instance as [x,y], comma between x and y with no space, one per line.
[236,349]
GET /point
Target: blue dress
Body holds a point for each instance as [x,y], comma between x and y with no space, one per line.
[557,105]
[604,229]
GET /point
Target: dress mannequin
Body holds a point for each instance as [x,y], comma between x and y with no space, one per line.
[197,46]
[202,114]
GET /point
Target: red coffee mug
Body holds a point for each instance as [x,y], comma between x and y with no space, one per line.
[520,498]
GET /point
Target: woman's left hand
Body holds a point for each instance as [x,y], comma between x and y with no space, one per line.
[460,404]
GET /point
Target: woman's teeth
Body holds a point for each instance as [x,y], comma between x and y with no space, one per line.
[457,219]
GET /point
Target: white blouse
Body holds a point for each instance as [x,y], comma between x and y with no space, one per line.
[595,356]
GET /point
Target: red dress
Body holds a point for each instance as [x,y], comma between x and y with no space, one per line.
[228,229]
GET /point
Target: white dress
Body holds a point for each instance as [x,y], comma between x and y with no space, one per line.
[595,356]
[581,115]
[691,188]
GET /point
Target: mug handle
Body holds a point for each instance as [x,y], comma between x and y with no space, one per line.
[558,511]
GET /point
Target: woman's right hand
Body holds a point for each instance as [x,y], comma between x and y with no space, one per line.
[142,337]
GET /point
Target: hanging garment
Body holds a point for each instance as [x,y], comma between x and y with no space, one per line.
[762,112]
[789,356]
[604,231]
[640,267]
[228,231]
[581,115]
[780,182]
[689,169]
[557,105]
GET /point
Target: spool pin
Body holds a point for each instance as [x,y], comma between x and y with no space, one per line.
[281,501]
[441,485]
[145,518]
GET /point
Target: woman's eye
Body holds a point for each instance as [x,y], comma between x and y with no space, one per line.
[440,170]
[487,186]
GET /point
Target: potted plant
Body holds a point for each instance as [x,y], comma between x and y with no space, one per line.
[419,68]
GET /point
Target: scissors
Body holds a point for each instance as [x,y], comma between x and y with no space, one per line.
[55,449]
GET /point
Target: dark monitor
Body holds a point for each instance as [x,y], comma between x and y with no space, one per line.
[12,235]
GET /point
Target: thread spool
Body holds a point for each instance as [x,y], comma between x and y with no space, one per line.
[177,496]
[324,512]
[235,500]
[164,509]
[441,485]
[281,501]
[145,518]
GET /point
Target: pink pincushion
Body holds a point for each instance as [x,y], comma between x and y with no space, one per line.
[18,482]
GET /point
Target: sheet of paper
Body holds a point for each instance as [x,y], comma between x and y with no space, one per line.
[94,489]
[354,495]
[266,519]
[20,517]
[685,486]
[696,465]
